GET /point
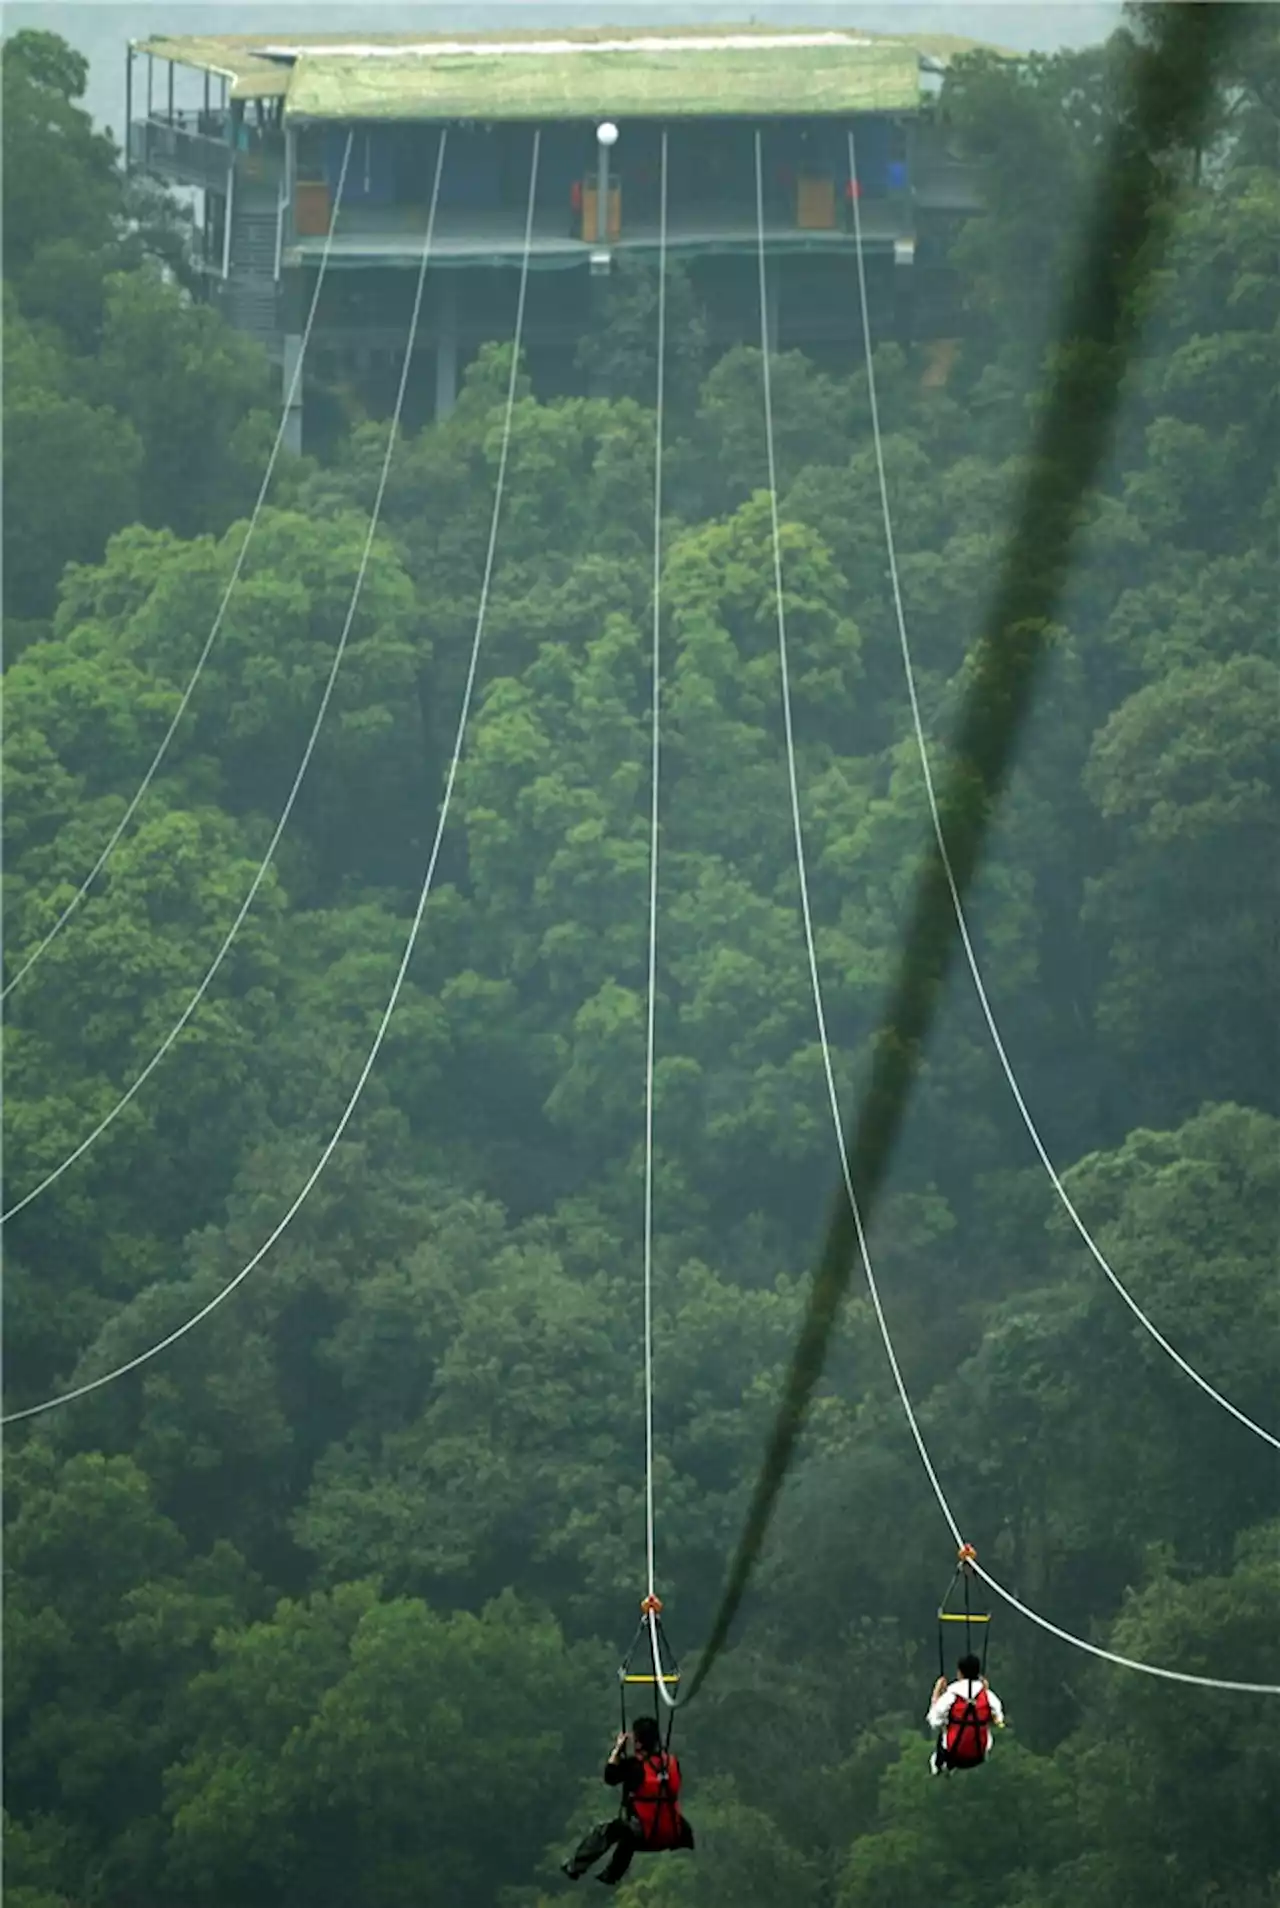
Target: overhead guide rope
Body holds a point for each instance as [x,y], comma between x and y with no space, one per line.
[132,809]
[94,1384]
[948,872]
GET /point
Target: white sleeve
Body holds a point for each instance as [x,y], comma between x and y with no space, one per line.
[997,1707]
[941,1710]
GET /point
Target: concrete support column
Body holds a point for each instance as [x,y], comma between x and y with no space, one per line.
[293,420]
[599,288]
[447,345]
[294,299]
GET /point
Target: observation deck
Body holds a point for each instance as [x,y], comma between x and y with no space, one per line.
[258,126]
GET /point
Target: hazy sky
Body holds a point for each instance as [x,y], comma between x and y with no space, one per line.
[101,28]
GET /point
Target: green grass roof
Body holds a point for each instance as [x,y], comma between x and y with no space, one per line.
[588,81]
[404,79]
[231,57]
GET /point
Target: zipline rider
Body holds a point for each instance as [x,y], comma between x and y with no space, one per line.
[651,1819]
[963,1713]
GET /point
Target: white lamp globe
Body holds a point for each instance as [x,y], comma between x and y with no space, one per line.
[607,134]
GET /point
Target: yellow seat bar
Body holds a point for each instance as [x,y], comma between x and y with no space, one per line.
[958,1616]
[672,1677]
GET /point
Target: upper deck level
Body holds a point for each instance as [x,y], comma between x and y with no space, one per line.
[273,117]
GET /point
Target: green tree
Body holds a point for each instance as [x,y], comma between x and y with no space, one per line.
[353,1745]
[620,352]
[1189,769]
[434,1377]
[107,1616]
[196,392]
[60,178]
[1178,1808]
[73,471]
[990,1836]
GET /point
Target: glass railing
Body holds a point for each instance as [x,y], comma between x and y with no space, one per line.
[180,151]
[195,148]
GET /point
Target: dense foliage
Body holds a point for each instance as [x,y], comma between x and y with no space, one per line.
[322,1607]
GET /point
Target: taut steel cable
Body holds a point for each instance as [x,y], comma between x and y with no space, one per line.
[962,924]
[833,1098]
[1167,111]
[132,1364]
[132,809]
[260,876]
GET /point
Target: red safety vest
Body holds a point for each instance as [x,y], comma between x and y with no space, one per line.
[966,1736]
[655,1805]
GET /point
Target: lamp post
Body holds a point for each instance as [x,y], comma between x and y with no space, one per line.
[607,139]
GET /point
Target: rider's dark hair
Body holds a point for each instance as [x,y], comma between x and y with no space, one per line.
[969,1667]
[647,1739]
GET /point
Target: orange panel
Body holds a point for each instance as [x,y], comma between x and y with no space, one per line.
[311,208]
[590,217]
[816,205]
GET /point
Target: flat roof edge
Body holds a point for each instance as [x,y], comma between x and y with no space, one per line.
[245,62]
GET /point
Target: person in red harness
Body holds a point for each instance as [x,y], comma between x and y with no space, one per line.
[963,1713]
[652,1820]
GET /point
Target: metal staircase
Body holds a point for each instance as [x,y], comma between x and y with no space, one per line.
[250,295]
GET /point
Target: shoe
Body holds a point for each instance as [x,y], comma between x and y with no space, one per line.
[567,1868]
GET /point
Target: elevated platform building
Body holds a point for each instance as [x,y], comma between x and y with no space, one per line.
[258,124]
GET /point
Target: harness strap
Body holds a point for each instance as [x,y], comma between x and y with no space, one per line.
[969,1720]
[661,1764]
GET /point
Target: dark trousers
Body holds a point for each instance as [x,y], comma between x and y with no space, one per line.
[616,1835]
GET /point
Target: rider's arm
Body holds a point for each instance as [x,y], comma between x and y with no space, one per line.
[940,1707]
[613,1768]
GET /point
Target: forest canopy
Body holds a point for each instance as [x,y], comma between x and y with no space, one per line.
[324,1605]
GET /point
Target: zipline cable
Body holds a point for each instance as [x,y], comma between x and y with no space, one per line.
[833,1097]
[132,809]
[1173,88]
[655,751]
[962,924]
[95,1384]
[650,1610]
[107,1120]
